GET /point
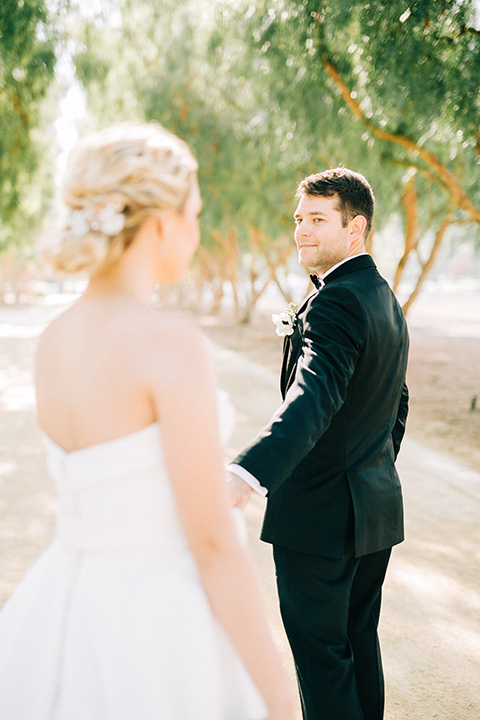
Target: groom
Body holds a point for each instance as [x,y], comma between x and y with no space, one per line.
[326,461]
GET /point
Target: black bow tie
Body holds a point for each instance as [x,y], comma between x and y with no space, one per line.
[318,282]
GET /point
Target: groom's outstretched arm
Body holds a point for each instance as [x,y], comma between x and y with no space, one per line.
[334,331]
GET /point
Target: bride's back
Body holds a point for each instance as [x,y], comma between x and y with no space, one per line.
[89,375]
[132,204]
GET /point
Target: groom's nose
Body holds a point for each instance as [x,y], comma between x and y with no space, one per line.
[301,231]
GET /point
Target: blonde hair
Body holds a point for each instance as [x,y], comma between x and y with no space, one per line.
[115,179]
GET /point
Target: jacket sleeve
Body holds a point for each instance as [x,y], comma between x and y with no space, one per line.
[400,423]
[333,335]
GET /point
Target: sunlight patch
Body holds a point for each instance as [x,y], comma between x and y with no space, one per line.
[18,398]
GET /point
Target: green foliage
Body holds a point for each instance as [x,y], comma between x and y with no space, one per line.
[27,60]
[250,86]
[304,109]
[185,73]
[430,56]
[413,73]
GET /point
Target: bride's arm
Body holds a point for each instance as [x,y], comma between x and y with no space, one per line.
[183,392]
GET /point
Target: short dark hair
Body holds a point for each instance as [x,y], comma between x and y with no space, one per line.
[355,196]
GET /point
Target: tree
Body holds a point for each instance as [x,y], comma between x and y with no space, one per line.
[196,87]
[409,78]
[28,37]
[267,91]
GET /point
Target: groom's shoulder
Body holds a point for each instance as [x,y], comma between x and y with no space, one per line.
[341,291]
[353,283]
[338,304]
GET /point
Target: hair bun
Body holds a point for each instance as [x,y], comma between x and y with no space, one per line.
[115,179]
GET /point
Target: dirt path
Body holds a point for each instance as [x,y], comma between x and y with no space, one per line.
[430,626]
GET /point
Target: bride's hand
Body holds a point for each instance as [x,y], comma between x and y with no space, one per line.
[238,491]
[286,709]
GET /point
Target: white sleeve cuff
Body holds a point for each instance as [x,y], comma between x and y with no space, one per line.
[248,478]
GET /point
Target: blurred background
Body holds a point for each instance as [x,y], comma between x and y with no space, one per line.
[265,92]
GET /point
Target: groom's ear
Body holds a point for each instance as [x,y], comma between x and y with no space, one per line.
[357,226]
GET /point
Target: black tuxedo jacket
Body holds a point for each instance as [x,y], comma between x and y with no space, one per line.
[330,449]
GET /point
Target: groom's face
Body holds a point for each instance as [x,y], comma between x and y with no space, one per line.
[321,239]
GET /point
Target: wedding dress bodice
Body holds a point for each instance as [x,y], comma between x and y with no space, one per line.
[115,496]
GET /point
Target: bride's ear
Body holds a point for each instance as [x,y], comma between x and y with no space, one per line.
[160,228]
[159,225]
[164,228]
[163,222]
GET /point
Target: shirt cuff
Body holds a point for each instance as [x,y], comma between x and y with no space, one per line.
[247,477]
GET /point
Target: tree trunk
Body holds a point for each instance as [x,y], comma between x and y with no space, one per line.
[410,207]
[427,267]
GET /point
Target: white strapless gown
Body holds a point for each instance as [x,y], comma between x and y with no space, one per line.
[112,622]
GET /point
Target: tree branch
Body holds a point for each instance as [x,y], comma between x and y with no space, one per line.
[422,171]
[410,207]
[446,179]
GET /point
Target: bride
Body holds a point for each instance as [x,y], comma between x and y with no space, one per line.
[145,606]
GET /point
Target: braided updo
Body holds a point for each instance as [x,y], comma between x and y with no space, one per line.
[115,179]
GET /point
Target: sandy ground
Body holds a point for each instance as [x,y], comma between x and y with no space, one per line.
[430,625]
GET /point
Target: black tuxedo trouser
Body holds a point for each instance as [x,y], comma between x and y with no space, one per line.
[330,609]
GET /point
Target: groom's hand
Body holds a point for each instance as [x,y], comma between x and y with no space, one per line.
[239,491]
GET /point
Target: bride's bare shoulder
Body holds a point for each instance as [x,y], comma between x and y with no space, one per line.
[132,329]
[164,326]
[55,332]
[140,339]
[172,338]
[171,352]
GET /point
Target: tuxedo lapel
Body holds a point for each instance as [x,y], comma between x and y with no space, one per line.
[307,299]
[286,355]
[292,344]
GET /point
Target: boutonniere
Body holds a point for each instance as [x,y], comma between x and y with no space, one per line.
[286,320]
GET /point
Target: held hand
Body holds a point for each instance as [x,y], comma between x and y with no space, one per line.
[239,491]
[289,710]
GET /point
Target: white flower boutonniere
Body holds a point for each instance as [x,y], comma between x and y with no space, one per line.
[286,320]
